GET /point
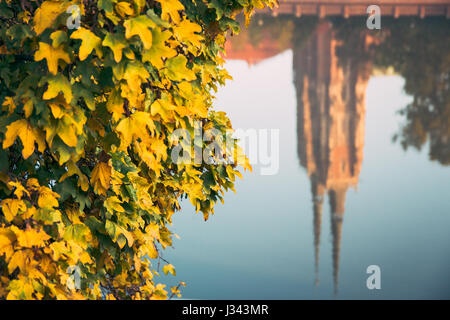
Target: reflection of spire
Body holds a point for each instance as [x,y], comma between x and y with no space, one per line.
[318,193]
[330,125]
[337,204]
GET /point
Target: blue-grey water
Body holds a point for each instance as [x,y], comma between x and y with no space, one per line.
[259,244]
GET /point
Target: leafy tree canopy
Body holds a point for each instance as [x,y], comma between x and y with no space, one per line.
[87,182]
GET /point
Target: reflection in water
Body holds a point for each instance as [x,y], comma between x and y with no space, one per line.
[330,124]
[332,65]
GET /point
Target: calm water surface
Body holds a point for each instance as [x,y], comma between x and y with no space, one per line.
[360,183]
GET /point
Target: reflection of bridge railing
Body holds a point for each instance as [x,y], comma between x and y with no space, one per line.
[347,8]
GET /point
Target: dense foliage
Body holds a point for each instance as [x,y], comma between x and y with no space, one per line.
[87,182]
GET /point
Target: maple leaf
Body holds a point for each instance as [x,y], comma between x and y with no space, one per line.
[112,204]
[27,134]
[170,9]
[31,237]
[58,38]
[140,26]
[89,42]
[101,177]
[135,73]
[52,56]
[115,105]
[57,84]
[164,107]
[47,198]
[135,127]
[46,15]
[20,259]
[177,70]
[7,238]
[186,32]
[10,104]
[11,207]
[124,9]
[28,108]
[159,49]
[116,42]
[168,268]
[20,190]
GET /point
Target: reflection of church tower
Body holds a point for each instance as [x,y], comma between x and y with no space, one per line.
[330,124]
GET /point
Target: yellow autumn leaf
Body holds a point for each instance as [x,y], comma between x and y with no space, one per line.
[168,268]
[46,15]
[57,84]
[28,108]
[124,9]
[47,198]
[116,42]
[52,56]
[159,50]
[170,9]
[177,69]
[67,133]
[20,190]
[101,177]
[187,32]
[89,42]
[20,259]
[113,204]
[11,207]
[135,73]
[33,184]
[9,104]
[164,108]
[27,134]
[58,37]
[135,127]
[114,105]
[140,26]
[31,237]
[7,238]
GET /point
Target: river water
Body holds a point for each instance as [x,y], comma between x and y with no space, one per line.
[364,176]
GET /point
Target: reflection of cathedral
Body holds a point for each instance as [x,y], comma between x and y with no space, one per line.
[332,66]
[330,119]
[330,125]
